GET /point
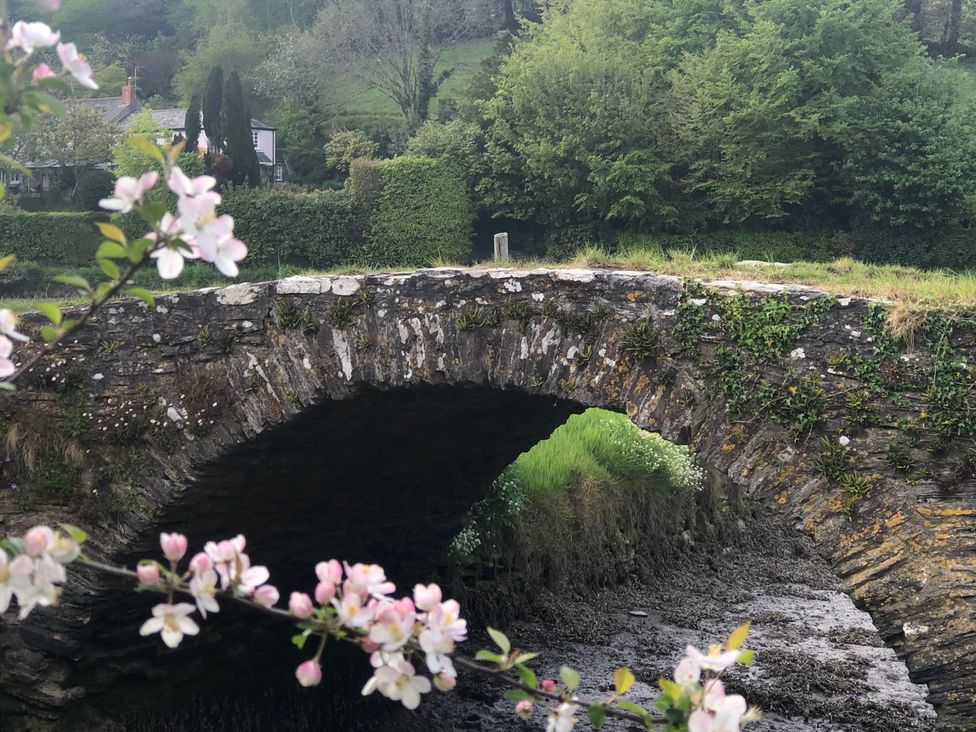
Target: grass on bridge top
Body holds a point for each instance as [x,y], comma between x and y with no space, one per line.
[935,288]
[842,276]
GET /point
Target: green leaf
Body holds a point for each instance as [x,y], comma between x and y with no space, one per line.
[747,658]
[525,657]
[738,637]
[628,706]
[75,281]
[111,250]
[51,311]
[597,714]
[143,145]
[151,212]
[102,289]
[527,676]
[49,333]
[623,679]
[7,386]
[517,695]
[143,294]
[570,677]
[111,232]
[47,103]
[299,640]
[138,248]
[484,655]
[79,535]
[501,640]
[9,259]
[55,85]
[110,268]
[671,689]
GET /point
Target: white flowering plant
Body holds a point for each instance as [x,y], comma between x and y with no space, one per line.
[411,640]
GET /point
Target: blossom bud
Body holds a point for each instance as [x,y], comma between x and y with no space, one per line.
[427,597]
[330,571]
[524,708]
[548,685]
[148,573]
[445,682]
[369,645]
[173,545]
[63,549]
[37,540]
[309,673]
[266,595]
[324,592]
[300,605]
[42,71]
[201,563]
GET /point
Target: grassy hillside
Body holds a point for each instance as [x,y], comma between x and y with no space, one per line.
[355,99]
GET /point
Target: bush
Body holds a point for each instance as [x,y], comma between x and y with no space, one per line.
[954,249]
[424,214]
[347,145]
[93,186]
[298,228]
[60,237]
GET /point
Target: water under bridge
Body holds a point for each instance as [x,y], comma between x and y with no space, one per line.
[363,415]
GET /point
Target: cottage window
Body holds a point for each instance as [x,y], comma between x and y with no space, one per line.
[254,138]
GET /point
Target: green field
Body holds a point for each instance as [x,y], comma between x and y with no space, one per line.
[355,99]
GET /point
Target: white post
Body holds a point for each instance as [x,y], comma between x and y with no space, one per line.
[501,247]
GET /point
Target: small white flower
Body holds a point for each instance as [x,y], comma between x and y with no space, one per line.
[844,440]
[172,622]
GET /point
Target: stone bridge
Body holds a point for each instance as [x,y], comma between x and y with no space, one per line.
[363,415]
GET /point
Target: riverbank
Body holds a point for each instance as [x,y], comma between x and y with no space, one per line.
[820,667]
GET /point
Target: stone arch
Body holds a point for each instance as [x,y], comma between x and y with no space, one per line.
[175,390]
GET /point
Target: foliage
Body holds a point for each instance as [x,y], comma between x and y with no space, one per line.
[237,134]
[345,146]
[229,45]
[299,228]
[300,137]
[80,139]
[93,186]
[212,107]
[134,161]
[193,123]
[423,214]
[572,128]
[457,142]
[65,238]
[911,152]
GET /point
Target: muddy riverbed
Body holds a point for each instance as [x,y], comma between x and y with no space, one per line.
[820,664]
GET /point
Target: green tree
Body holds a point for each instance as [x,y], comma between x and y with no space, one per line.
[347,145]
[213,118]
[910,152]
[573,127]
[239,145]
[192,124]
[132,161]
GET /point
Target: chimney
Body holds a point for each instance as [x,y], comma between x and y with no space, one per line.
[129,92]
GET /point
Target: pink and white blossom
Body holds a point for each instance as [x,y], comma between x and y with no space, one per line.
[309,673]
[300,605]
[174,546]
[687,672]
[524,708]
[427,597]
[227,253]
[715,660]
[148,573]
[172,622]
[76,64]
[37,540]
[129,192]
[6,589]
[8,325]
[29,36]
[399,683]
[266,595]
[352,611]
[43,71]
[393,624]
[561,718]
[203,587]
[7,367]
[200,563]
[183,185]
[368,579]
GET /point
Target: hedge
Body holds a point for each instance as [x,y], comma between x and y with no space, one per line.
[298,228]
[424,214]
[308,229]
[62,237]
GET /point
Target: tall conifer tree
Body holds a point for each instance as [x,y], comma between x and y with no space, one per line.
[237,130]
[192,124]
[213,118]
